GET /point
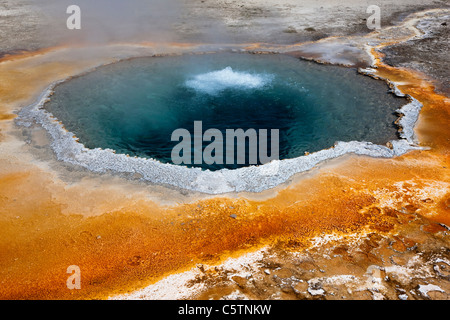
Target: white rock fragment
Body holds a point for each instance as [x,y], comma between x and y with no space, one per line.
[316,292]
[315,287]
[424,289]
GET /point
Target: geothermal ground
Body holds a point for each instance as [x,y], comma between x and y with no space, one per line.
[352,227]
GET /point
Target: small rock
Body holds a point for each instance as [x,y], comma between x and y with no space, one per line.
[442,269]
[240,281]
[315,287]
[425,289]
[316,292]
[290,29]
[300,287]
[399,260]
[201,268]
[234,216]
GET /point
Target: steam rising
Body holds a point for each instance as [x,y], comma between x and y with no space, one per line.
[105,21]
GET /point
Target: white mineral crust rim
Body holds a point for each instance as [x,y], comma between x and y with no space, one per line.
[251,179]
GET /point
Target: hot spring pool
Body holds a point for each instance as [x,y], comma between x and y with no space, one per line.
[134,106]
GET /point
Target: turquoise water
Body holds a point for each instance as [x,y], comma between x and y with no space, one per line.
[134,106]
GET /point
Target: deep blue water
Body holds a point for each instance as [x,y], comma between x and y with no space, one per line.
[134,106]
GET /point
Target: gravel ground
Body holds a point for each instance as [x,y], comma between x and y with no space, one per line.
[33,24]
[428,55]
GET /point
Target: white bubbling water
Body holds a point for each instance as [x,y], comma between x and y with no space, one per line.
[217,81]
